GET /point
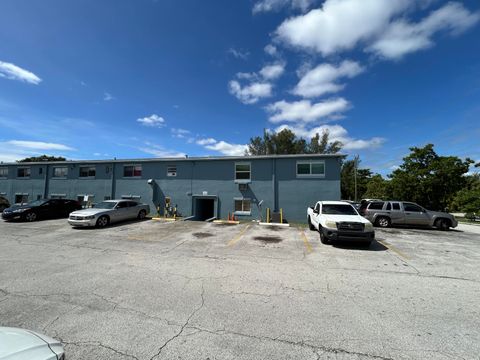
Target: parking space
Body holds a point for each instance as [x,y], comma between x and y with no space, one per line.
[195,290]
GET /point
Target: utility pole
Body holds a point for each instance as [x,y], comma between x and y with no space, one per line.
[355,170]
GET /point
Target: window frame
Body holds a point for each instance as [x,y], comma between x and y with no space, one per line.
[133,171]
[54,176]
[243,181]
[23,195]
[243,211]
[310,163]
[89,167]
[414,205]
[171,173]
[24,168]
[5,176]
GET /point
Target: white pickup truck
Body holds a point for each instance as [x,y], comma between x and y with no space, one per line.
[338,220]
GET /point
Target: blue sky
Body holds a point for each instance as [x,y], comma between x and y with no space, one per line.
[143,78]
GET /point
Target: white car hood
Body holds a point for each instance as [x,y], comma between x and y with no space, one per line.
[23,344]
[89,212]
[346,218]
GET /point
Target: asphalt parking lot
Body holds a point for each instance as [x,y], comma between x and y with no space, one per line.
[191,290]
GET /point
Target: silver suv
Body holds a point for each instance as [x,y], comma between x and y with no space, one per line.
[387,213]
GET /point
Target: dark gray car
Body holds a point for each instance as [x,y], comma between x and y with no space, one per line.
[388,213]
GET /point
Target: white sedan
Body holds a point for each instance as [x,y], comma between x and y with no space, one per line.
[107,212]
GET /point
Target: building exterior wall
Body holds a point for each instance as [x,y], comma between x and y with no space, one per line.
[274,182]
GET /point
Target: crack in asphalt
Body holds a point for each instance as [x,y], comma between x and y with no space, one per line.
[97,343]
[179,333]
[301,343]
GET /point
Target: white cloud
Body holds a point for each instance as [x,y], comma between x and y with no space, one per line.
[271,50]
[272,72]
[259,86]
[14,72]
[152,121]
[322,79]
[252,93]
[14,150]
[179,133]
[159,151]
[108,97]
[207,141]
[305,111]
[339,24]
[238,54]
[38,145]
[381,26]
[223,147]
[336,133]
[403,37]
[275,5]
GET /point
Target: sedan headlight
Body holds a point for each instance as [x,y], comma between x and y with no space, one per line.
[330,224]
[89,217]
[368,226]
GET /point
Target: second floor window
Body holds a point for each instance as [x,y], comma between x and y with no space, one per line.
[242,171]
[172,170]
[132,171]
[3,172]
[60,172]
[87,171]
[23,172]
[310,168]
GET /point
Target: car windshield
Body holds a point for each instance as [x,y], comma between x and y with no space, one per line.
[105,205]
[338,209]
[37,203]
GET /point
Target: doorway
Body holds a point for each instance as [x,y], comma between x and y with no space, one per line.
[204,208]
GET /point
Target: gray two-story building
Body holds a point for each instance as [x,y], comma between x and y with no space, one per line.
[207,187]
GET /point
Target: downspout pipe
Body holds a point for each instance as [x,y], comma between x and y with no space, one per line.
[45,185]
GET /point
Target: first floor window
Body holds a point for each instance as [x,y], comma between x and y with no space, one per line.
[21,198]
[242,206]
[132,170]
[23,172]
[58,196]
[311,168]
[60,172]
[87,171]
[3,172]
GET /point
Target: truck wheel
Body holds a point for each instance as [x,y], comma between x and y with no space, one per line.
[310,225]
[442,224]
[383,221]
[103,221]
[142,214]
[323,238]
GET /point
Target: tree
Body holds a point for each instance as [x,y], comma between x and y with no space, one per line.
[468,199]
[42,158]
[348,180]
[427,178]
[323,146]
[377,188]
[286,142]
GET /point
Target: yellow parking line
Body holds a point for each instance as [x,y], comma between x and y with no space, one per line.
[238,236]
[305,241]
[394,249]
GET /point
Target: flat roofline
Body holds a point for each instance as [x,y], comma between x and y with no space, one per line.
[176,159]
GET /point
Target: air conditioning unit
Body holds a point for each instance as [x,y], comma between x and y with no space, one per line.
[243,187]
